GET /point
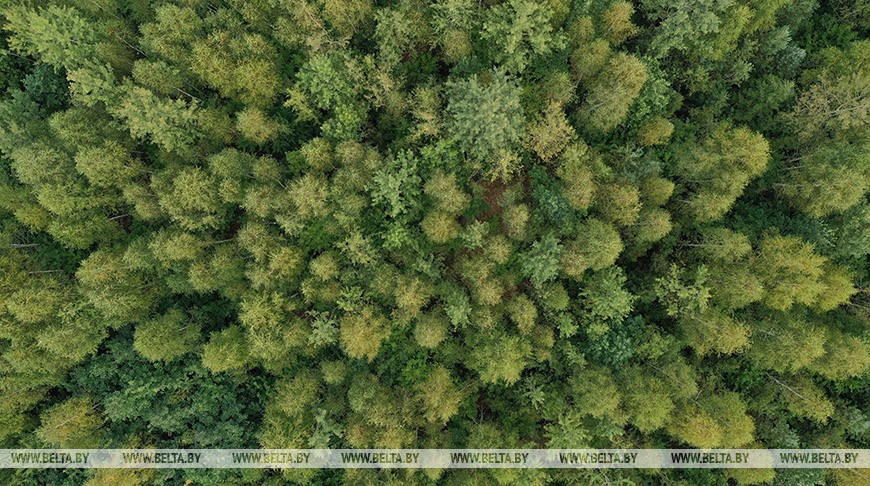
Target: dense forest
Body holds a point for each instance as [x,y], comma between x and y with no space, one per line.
[409,224]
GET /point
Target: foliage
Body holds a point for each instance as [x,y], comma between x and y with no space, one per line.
[448,224]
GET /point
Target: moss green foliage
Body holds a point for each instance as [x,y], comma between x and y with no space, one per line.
[445,224]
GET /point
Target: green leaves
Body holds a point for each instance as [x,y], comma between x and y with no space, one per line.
[682,291]
[73,424]
[345,223]
[604,294]
[736,151]
[167,337]
[518,32]
[484,115]
[61,36]
[169,123]
[397,184]
[191,196]
[541,262]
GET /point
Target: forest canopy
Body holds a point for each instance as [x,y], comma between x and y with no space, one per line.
[449,224]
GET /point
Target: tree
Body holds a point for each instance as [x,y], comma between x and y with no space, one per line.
[169,123]
[616,23]
[605,296]
[735,151]
[440,227]
[362,333]
[484,114]
[498,356]
[518,31]
[59,35]
[618,203]
[611,92]
[242,65]
[398,30]
[226,350]
[786,344]
[172,31]
[439,395]
[594,392]
[397,185]
[116,287]
[541,263]
[715,420]
[167,337]
[683,292]
[714,331]
[722,245]
[652,225]
[256,126]
[431,329]
[35,303]
[683,26]
[551,133]
[296,395]
[523,312]
[845,356]
[646,399]
[444,189]
[159,77]
[789,270]
[655,191]
[73,424]
[412,294]
[837,102]
[578,185]
[514,220]
[655,131]
[191,196]
[831,178]
[326,83]
[109,165]
[803,398]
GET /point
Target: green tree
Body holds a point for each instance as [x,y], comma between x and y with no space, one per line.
[59,35]
[611,92]
[484,114]
[242,65]
[604,294]
[191,196]
[440,396]
[73,424]
[830,178]
[790,271]
[498,356]
[683,292]
[702,167]
[618,203]
[109,165]
[715,420]
[363,333]
[166,337]
[597,246]
[786,343]
[115,286]
[685,25]
[256,126]
[646,399]
[398,30]
[594,392]
[169,123]
[226,350]
[541,262]
[519,31]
